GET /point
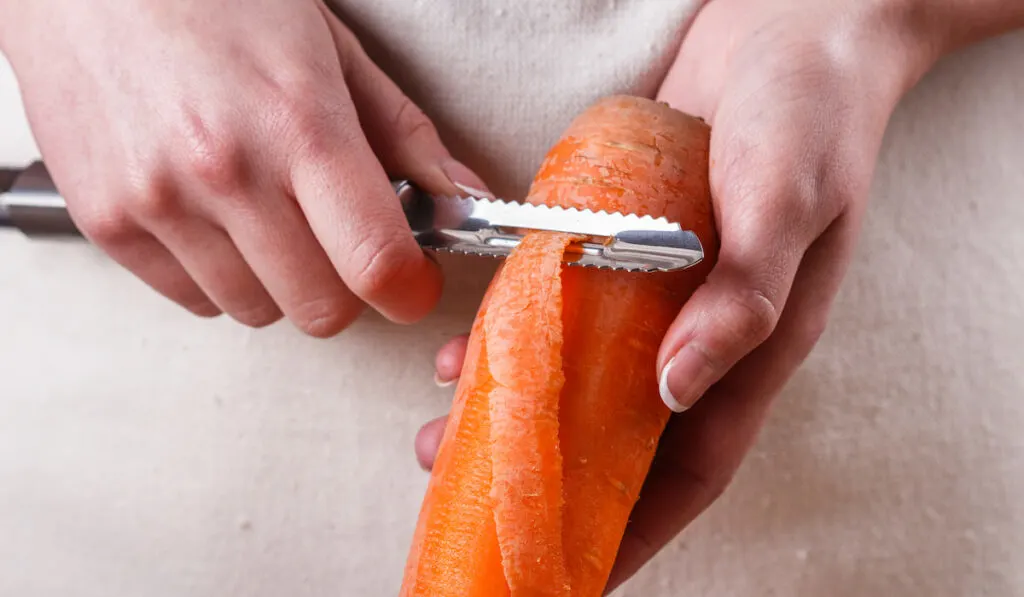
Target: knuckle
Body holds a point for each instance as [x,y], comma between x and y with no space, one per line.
[289,105]
[155,197]
[410,121]
[221,168]
[382,265]
[313,140]
[107,226]
[308,124]
[214,155]
[323,318]
[157,205]
[823,188]
[216,159]
[752,317]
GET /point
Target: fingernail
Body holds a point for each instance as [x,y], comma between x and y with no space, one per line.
[466,180]
[684,379]
[441,383]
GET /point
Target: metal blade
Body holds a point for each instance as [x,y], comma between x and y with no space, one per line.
[497,212]
[615,241]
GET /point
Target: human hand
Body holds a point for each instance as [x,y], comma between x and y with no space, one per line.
[798,95]
[235,158]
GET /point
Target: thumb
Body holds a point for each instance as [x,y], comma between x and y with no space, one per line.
[766,229]
[403,138]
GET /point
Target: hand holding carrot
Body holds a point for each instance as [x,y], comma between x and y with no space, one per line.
[798,95]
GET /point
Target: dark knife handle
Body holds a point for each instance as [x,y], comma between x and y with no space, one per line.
[33,205]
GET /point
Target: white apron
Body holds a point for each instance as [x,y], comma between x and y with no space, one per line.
[147,452]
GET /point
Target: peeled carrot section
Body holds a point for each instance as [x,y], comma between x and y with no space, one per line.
[456,548]
[524,327]
[557,415]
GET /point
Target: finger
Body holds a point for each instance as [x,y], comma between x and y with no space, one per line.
[405,141]
[354,215]
[156,266]
[702,449]
[210,258]
[247,200]
[428,440]
[448,363]
[765,229]
[140,253]
[277,242]
[352,210]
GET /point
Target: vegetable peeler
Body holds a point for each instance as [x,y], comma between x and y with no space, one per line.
[31,203]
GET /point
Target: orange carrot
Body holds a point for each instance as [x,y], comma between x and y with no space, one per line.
[524,326]
[558,393]
[456,549]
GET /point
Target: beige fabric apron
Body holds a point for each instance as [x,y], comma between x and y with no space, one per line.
[146,452]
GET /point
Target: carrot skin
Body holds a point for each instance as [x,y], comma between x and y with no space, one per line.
[609,419]
[632,156]
[524,325]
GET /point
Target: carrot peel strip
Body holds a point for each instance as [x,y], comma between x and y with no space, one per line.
[523,336]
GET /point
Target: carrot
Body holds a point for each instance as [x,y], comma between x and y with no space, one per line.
[524,325]
[456,548]
[528,422]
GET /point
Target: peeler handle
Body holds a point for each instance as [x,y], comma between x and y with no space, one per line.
[33,205]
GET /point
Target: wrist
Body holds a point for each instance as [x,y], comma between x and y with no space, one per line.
[880,44]
[900,39]
[940,27]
